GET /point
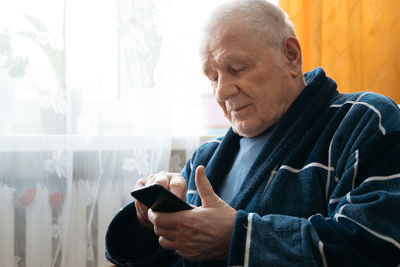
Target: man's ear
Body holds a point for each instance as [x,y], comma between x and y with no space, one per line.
[292,52]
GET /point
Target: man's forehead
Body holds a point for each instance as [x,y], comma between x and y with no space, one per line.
[223,45]
[224,55]
[222,33]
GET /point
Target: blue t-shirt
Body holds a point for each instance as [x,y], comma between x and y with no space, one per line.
[247,154]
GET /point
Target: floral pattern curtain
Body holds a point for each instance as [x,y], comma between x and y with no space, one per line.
[91,94]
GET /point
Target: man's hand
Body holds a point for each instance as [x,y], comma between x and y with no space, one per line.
[174,182]
[203,233]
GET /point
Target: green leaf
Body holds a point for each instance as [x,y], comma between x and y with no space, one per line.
[37,23]
[18,66]
[30,35]
[54,55]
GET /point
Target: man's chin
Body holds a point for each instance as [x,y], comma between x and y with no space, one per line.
[247,130]
[243,132]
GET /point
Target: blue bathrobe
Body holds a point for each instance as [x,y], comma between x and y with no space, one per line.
[324,191]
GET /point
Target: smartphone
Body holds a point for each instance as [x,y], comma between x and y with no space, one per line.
[156,197]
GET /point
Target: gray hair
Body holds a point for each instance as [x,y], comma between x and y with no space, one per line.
[267,22]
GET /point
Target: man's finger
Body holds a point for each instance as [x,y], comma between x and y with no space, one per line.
[141,182]
[166,243]
[166,233]
[142,209]
[177,185]
[163,178]
[166,220]
[142,214]
[204,188]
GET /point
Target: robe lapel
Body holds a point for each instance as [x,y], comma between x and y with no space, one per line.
[284,136]
[289,130]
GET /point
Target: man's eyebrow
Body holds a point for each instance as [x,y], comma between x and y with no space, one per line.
[232,59]
[228,60]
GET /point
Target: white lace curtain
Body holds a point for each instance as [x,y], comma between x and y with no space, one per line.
[91,94]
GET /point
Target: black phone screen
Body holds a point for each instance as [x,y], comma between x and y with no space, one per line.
[158,198]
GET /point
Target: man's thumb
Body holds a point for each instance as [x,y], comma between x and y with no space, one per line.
[204,188]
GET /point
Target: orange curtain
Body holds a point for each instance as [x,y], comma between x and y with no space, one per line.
[356,42]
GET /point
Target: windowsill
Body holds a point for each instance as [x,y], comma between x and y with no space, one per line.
[85,143]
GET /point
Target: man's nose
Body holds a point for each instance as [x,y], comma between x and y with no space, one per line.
[225,88]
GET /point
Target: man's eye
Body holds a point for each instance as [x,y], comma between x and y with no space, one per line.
[213,79]
[240,69]
[237,69]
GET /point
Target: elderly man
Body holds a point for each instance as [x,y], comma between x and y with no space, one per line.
[305,176]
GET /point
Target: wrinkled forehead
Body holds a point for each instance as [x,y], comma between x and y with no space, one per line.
[221,35]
